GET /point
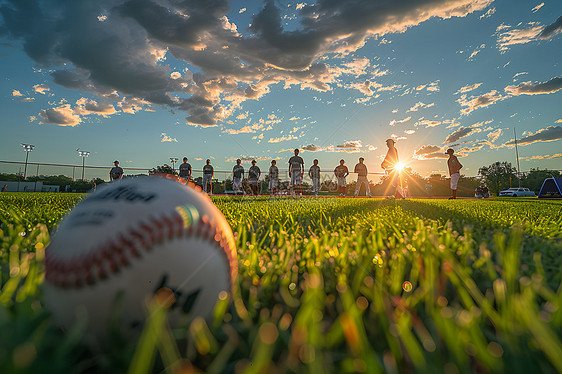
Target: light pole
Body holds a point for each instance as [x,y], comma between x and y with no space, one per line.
[27,148]
[83,154]
[173,160]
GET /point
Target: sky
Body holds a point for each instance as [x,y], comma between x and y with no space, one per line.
[140,81]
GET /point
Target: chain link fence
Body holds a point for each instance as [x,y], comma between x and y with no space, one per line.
[222,180]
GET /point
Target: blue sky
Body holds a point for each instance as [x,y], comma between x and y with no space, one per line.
[141,81]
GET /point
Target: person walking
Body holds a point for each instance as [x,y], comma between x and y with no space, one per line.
[389,165]
[314,174]
[454,171]
[296,171]
[341,172]
[254,177]
[237,176]
[185,170]
[208,174]
[361,170]
[116,172]
[273,177]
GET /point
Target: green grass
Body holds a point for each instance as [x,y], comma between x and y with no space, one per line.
[325,285]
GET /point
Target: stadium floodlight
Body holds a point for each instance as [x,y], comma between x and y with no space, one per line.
[173,160]
[27,148]
[83,154]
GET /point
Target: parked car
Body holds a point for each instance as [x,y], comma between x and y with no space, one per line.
[517,192]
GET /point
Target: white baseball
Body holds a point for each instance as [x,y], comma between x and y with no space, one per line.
[134,237]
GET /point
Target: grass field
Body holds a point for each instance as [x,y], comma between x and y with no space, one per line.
[325,285]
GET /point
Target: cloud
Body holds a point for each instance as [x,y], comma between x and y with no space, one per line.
[245,130]
[41,88]
[542,157]
[528,88]
[461,133]
[468,88]
[371,147]
[552,29]
[103,47]
[535,9]
[550,134]
[507,37]
[409,132]
[476,51]
[428,152]
[494,135]
[16,93]
[313,148]
[62,116]
[489,13]
[166,138]
[282,139]
[395,122]
[419,105]
[86,107]
[427,123]
[481,101]
[350,144]
[558,121]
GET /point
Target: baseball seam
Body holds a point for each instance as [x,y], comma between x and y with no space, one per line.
[110,258]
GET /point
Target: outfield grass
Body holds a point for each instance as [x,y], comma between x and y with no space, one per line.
[325,285]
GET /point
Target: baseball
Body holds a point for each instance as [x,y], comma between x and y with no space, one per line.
[131,238]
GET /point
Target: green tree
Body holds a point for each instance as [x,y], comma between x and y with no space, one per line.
[166,169]
[535,178]
[498,176]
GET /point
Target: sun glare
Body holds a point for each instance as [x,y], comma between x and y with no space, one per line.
[400,166]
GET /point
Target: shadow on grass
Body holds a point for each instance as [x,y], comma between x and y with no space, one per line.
[483,230]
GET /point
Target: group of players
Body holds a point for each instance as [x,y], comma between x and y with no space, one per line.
[296,172]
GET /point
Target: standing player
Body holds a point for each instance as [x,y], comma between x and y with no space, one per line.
[361,170]
[389,165]
[273,177]
[208,173]
[237,176]
[116,172]
[341,172]
[185,169]
[253,177]
[296,171]
[314,174]
[454,171]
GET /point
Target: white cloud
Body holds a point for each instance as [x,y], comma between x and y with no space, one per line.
[510,37]
[282,139]
[535,9]
[394,122]
[494,135]
[62,116]
[419,105]
[427,123]
[482,101]
[16,93]
[468,88]
[166,138]
[41,88]
[489,13]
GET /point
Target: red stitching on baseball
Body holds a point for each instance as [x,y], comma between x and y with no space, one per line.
[93,267]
